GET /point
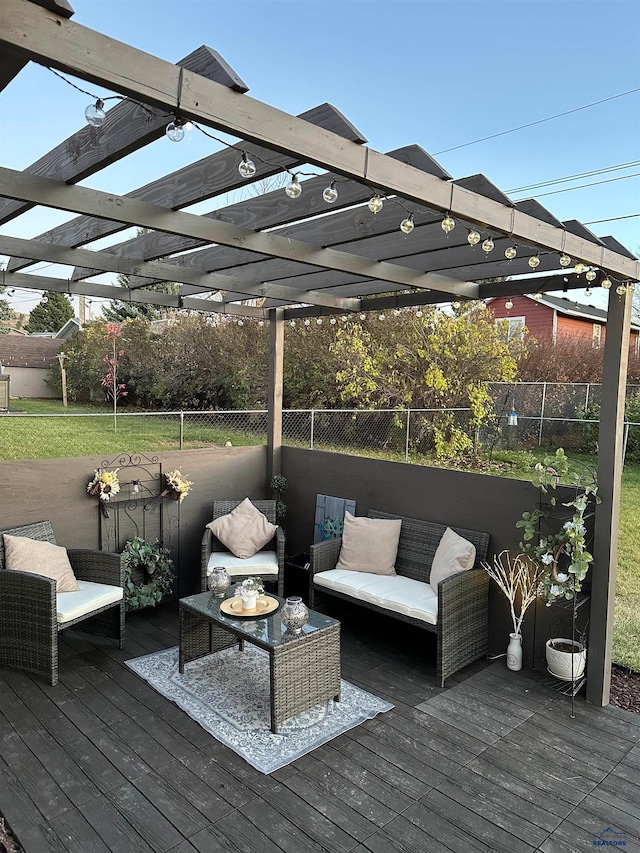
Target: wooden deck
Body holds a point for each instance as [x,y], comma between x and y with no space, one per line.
[492,763]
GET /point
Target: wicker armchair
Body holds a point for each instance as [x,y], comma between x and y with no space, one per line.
[249,567]
[31,617]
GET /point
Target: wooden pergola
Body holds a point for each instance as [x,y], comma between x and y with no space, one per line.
[302,256]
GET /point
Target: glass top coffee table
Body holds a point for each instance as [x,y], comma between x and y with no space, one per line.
[304,668]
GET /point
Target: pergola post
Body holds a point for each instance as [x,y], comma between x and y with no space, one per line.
[610,463]
[274,407]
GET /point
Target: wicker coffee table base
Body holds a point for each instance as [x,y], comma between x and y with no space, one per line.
[304,671]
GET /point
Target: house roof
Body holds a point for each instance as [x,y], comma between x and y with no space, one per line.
[575,309]
[19,351]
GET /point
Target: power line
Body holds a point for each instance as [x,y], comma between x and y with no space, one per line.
[611,219]
[539,121]
[575,177]
[593,184]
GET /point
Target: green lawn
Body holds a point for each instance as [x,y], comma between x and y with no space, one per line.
[32,438]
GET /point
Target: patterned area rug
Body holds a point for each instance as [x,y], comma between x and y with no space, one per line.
[228,695]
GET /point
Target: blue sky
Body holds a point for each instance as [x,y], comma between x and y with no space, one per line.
[440,74]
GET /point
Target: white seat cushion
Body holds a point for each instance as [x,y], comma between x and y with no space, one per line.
[393,592]
[262,563]
[90,596]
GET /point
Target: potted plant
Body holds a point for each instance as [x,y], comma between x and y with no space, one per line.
[278,484]
[520,579]
[148,573]
[555,537]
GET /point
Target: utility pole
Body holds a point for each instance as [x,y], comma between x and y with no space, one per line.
[82,310]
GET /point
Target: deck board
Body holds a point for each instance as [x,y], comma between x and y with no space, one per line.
[492,762]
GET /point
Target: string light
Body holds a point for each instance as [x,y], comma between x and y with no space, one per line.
[293,189]
[246,167]
[591,275]
[579,268]
[534,261]
[508,305]
[376,203]
[292,323]
[330,194]
[333,321]
[606,283]
[473,237]
[344,318]
[319,321]
[510,252]
[260,323]
[565,260]
[363,316]
[448,224]
[381,317]
[307,322]
[488,245]
[407,225]
[621,290]
[537,296]
[396,312]
[455,305]
[418,313]
[95,113]
[588,292]
[175,130]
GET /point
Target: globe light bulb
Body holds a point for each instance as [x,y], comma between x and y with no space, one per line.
[534,262]
[292,323]
[508,305]
[293,189]
[246,167]
[95,113]
[307,322]
[396,312]
[175,130]
[381,317]
[448,224]
[537,296]
[473,238]
[330,194]
[363,316]
[319,321]
[344,318]
[510,252]
[621,290]
[407,225]
[588,292]
[579,268]
[418,313]
[565,260]
[488,245]
[260,323]
[606,283]
[591,275]
[376,204]
[241,322]
[333,321]
[455,305]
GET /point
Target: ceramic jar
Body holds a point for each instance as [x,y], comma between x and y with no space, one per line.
[218,581]
[294,614]
[514,652]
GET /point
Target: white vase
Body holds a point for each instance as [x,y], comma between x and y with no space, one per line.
[514,652]
[249,599]
[567,665]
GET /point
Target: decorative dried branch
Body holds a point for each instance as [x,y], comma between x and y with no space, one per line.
[520,579]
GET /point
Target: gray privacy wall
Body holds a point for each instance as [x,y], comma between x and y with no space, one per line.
[55,489]
[456,498]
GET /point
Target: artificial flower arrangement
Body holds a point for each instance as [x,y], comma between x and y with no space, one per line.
[250,585]
[520,578]
[177,486]
[105,484]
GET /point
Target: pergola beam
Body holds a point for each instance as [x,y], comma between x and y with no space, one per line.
[95,203]
[125,294]
[155,271]
[51,40]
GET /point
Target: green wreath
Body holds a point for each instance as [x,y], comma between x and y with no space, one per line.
[157,566]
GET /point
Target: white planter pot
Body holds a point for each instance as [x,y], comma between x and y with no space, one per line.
[566,665]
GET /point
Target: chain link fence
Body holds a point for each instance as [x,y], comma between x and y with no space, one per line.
[526,416]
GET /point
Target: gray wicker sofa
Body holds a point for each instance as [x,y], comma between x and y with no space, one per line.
[461,625]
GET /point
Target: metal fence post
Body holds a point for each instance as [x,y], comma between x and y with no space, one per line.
[181,430]
[542,406]
[312,426]
[406,446]
[586,401]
